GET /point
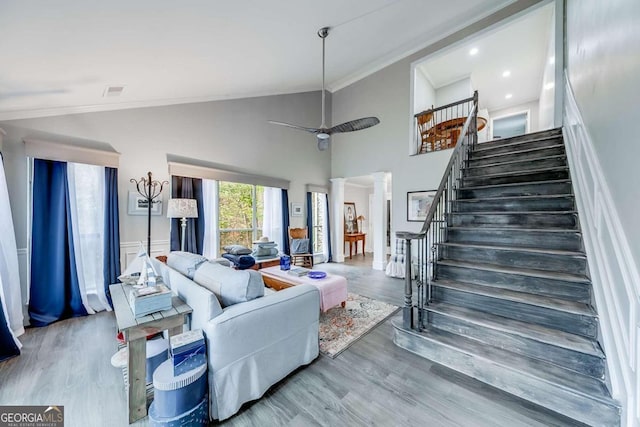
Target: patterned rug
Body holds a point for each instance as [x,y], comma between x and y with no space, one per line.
[341,327]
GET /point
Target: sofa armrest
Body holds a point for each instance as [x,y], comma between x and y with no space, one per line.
[249,327]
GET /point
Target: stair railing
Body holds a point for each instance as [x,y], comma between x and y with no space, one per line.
[434,228]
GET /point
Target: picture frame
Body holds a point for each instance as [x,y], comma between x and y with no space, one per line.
[350,215]
[418,204]
[137,205]
[296,209]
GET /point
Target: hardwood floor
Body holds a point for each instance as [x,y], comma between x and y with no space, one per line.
[372,383]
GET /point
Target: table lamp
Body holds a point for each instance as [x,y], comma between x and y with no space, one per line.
[183,209]
[360,218]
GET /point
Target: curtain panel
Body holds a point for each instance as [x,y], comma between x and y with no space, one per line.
[310,220]
[55,291]
[285,222]
[327,229]
[111,266]
[188,188]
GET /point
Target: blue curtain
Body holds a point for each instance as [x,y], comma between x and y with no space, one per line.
[310,220]
[330,256]
[285,221]
[111,266]
[8,347]
[188,188]
[55,293]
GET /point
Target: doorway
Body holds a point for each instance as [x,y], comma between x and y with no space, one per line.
[511,125]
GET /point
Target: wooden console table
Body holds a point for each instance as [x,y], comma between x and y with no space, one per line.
[135,332]
[352,238]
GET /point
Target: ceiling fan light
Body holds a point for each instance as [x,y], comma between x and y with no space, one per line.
[323,144]
[323,135]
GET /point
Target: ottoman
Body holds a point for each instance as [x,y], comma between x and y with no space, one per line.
[333,288]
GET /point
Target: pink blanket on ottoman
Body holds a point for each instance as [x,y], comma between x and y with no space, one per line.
[333,288]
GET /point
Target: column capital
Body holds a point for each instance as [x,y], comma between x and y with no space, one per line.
[379,176]
[337,180]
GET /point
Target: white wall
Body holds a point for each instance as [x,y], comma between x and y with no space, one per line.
[603,65]
[386,94]
[233,133]
[424,94]
[360,196]
[546,102]
[454,92]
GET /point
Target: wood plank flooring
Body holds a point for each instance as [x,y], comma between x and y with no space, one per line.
[373,383]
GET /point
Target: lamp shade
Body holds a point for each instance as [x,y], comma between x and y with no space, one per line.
[182,208]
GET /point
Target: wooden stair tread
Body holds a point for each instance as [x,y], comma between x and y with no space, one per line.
[558,252]
[510,153]
[514,184]
[532,331]
[567,277]
[508,361]
[513,162]
[487,146]
[517,173]
[525,197]
[566,306]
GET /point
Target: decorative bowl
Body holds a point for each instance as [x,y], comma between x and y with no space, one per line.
[317,274]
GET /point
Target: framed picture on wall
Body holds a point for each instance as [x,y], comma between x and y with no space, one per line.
[350,218]
[137,205]
[296,209]
[418,204]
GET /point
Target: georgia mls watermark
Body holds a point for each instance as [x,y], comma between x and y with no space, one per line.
[31,416]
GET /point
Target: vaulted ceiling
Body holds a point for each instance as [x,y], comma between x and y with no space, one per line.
[60,56]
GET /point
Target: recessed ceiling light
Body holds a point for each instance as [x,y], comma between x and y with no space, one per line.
[552,60]
[506,73]
[473,51]
[549,85]
[508,96]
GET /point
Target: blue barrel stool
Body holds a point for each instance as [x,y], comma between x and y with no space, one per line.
[180,400]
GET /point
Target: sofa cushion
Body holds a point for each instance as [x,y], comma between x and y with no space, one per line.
[185,262]
[229,285]
[299,246]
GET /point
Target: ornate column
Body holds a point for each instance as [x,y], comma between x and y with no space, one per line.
[337,218]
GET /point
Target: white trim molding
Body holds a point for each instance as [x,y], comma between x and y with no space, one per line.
[71,153]
[614,274]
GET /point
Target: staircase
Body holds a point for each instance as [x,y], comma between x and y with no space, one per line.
[510,300]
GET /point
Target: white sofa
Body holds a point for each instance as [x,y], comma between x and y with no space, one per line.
[251,345]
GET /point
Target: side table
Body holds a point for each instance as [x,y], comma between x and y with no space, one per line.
[135,333]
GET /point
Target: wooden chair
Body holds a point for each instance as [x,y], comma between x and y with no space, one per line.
[305,259]
[429,139]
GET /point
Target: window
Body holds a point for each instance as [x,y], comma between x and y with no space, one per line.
[318,206]
[241,211]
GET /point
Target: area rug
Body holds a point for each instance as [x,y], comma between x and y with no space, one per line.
[341,327]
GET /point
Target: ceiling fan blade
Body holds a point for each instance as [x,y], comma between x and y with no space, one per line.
[354,125]
[311,130]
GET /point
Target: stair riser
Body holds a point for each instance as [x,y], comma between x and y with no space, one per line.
[485,150]
[571,291]
[554,134]
[518,238]
[590,412]
[515,178]
[549,189]
[547,220]
[516,167]
[515,205]
[572,264]
[518,156]
[569,359]
[568,322]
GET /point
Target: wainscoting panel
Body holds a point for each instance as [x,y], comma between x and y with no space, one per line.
[129,250]
[615,277]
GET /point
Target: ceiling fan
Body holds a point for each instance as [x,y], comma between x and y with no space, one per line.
[323,133]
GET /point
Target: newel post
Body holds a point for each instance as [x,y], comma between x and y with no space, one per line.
[407,310]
